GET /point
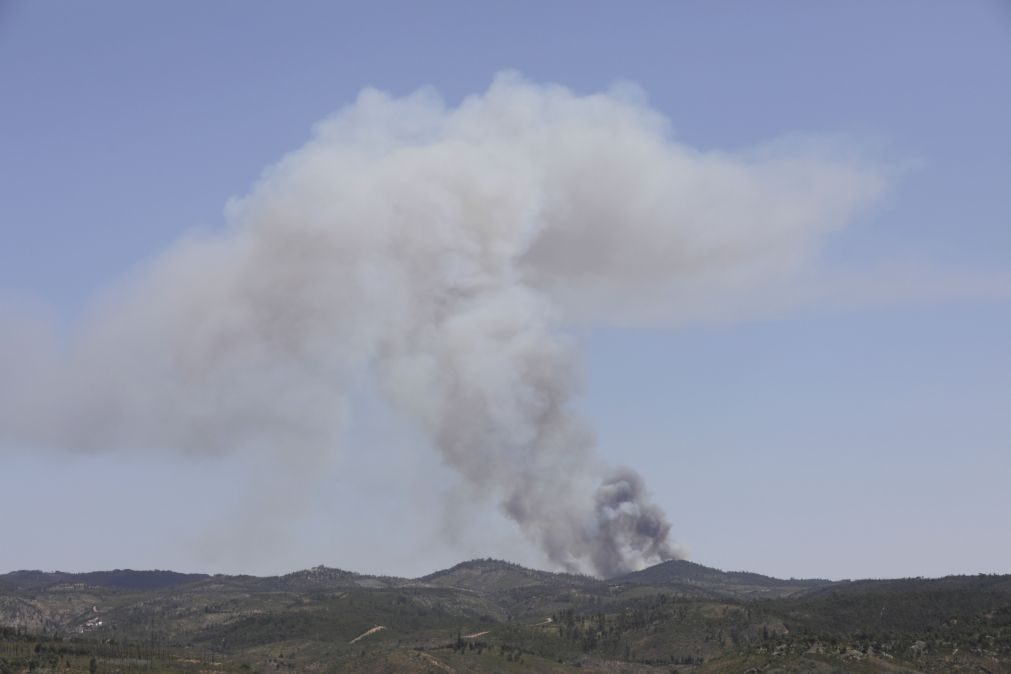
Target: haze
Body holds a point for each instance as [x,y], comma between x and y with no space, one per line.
[760,260]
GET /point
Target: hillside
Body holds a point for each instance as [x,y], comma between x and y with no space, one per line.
[685,574]
[124,579]
[492,575]
[490,615]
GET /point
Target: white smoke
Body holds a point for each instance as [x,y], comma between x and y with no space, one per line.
[439,252]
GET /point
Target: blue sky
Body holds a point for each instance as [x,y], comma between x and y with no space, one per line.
[838,440]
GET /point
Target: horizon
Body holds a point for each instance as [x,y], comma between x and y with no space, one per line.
[476,560]
[767,328]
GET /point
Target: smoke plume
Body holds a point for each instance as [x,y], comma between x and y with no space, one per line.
[439,252]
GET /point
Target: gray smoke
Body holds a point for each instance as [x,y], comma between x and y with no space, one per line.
[439,252]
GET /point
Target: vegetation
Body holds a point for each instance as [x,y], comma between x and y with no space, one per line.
[490,616]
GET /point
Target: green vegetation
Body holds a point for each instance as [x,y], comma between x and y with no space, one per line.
[490,616]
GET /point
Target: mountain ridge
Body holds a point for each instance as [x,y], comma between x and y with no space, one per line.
[461,574]
[671,571]
[494,615]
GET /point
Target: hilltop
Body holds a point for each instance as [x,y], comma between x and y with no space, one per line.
[685,575]
[493,615]
[490,575]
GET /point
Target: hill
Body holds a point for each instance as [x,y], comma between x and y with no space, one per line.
[126,579]
[685,574]
[492,575]
[491,615]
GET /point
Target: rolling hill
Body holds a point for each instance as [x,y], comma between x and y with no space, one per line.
[491,615]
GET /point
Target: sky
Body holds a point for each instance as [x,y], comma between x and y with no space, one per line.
[862,432]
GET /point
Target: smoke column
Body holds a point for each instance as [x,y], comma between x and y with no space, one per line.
[439,252]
